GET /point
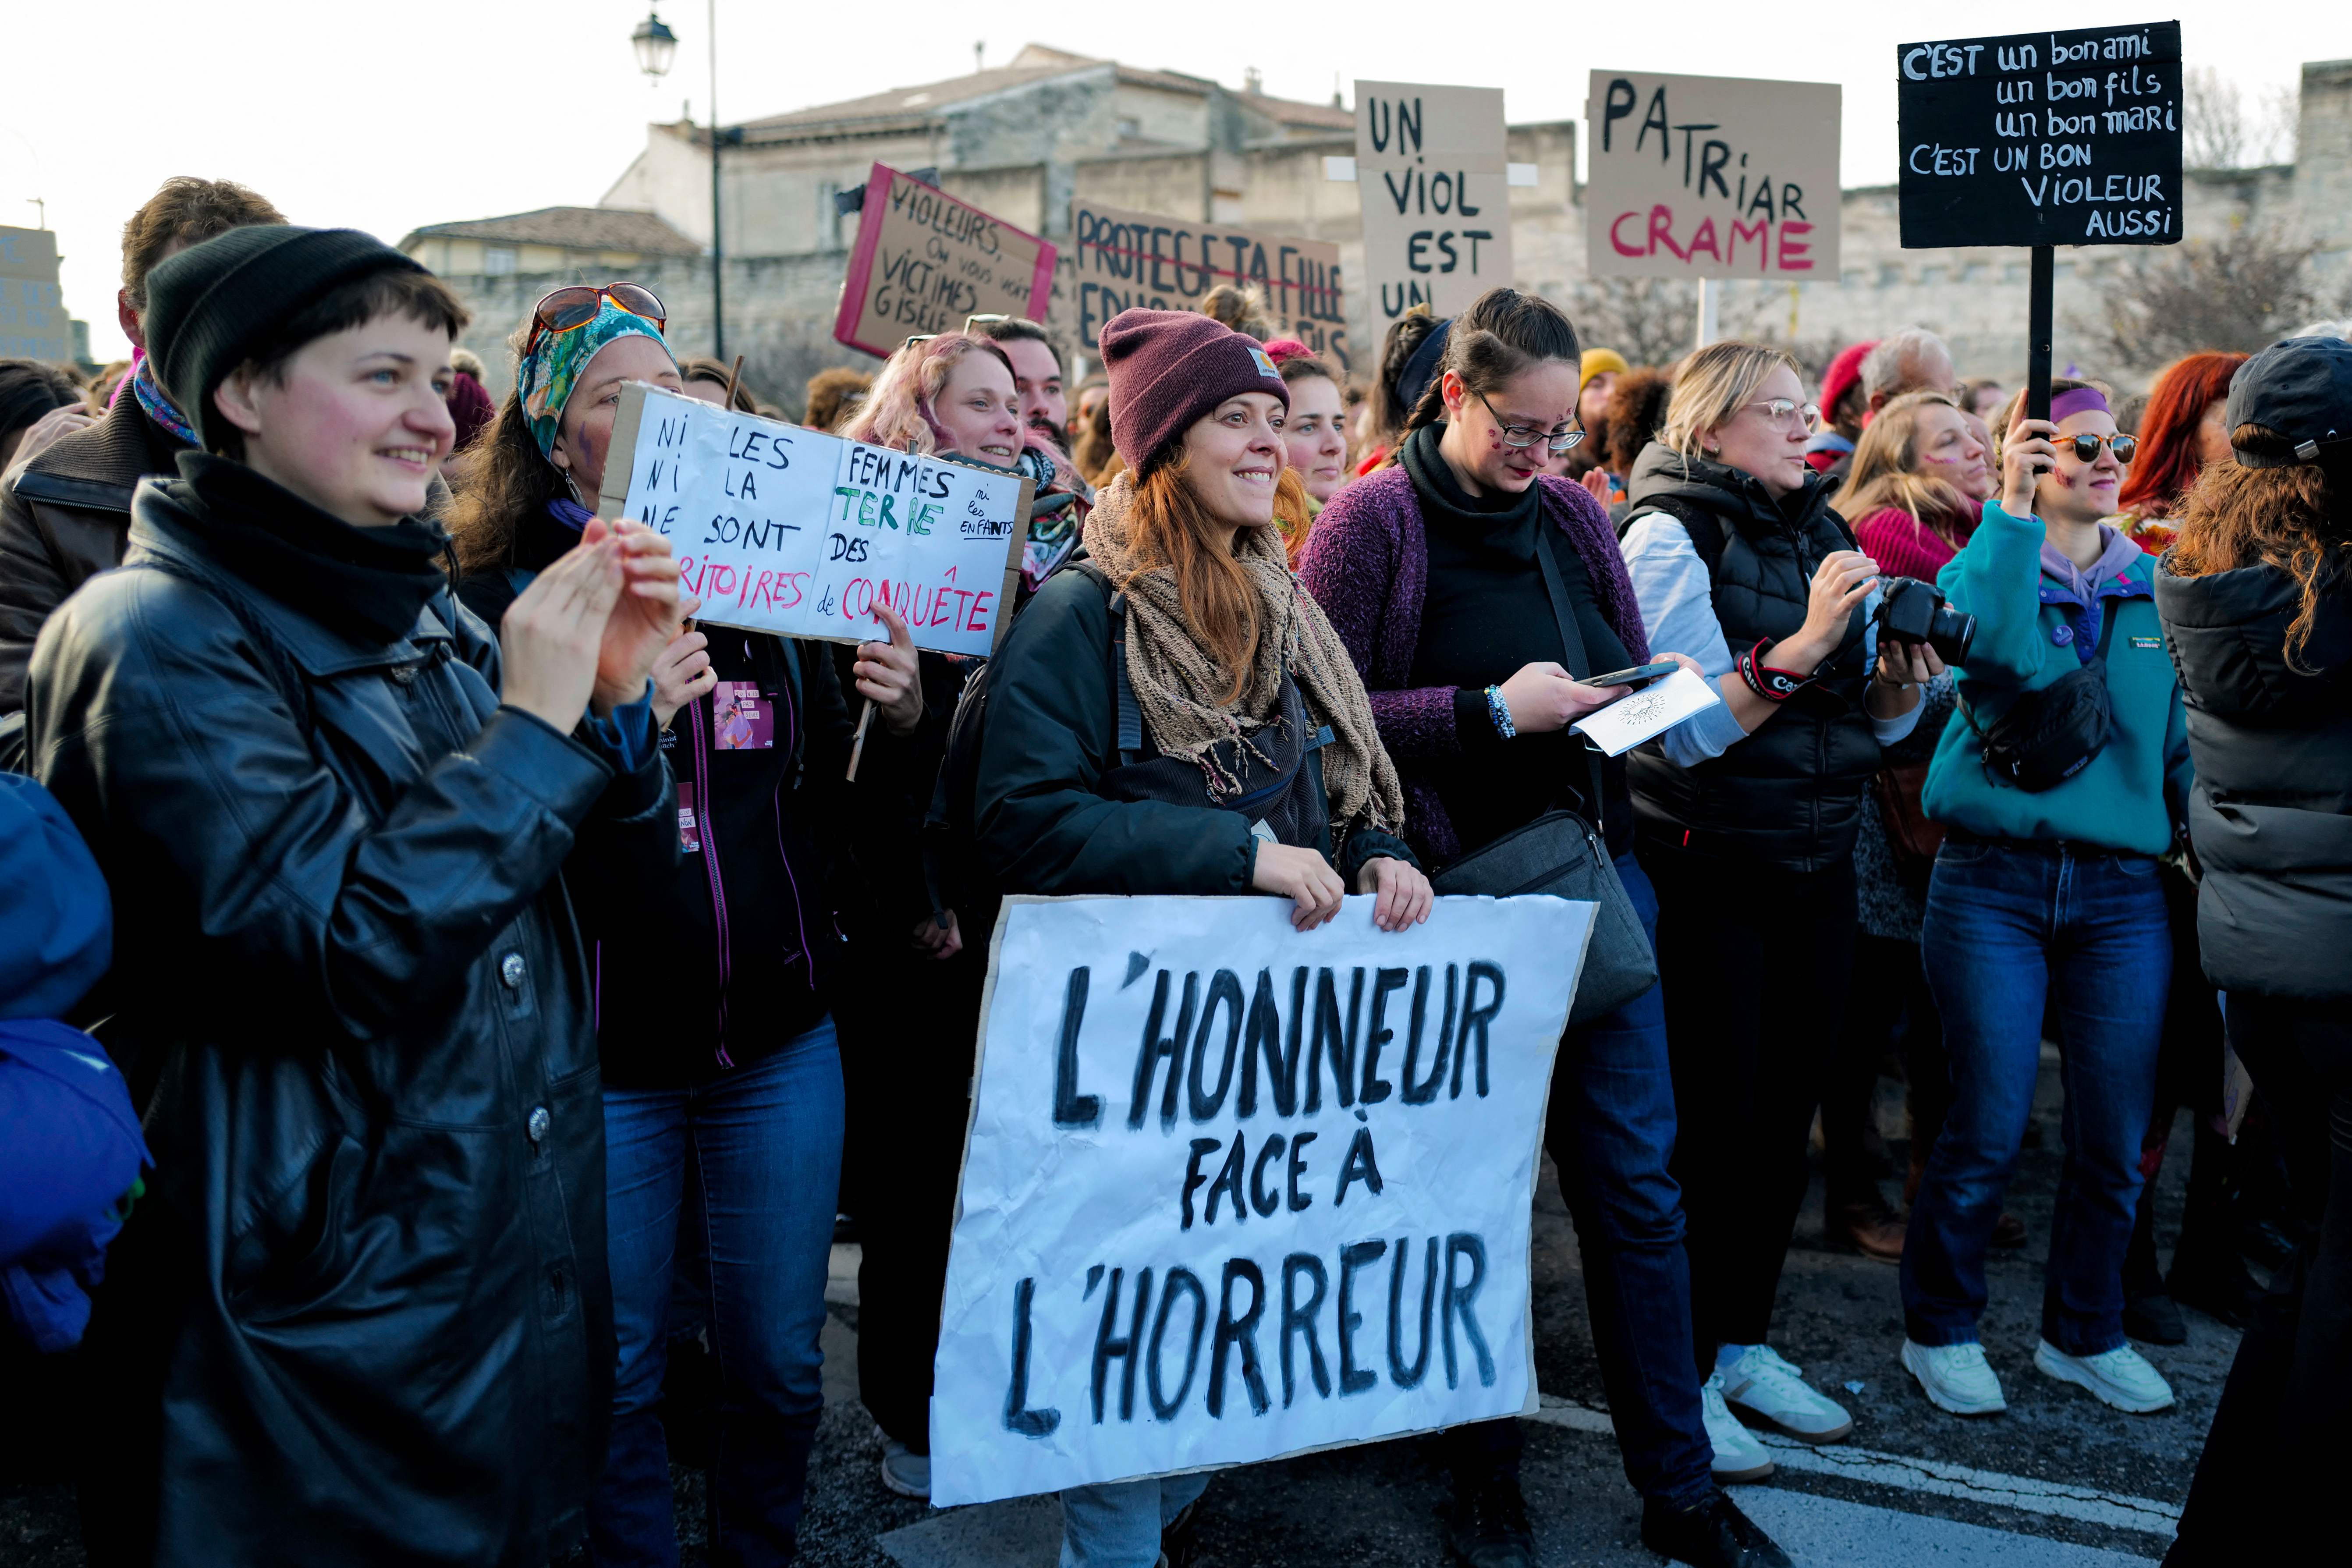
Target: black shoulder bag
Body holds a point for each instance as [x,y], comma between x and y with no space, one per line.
[1559,853]
[2048,736]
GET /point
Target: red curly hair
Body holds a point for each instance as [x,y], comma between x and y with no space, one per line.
[2168,463]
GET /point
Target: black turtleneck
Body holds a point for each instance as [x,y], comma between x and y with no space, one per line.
[368,584]
[1485,616]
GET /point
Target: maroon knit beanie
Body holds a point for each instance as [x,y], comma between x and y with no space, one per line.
[1168,368]
[1844,372]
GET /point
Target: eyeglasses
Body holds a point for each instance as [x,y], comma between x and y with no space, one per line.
[1779,409]
[575,306]
[1519,437]
[2086,446]
[973,323]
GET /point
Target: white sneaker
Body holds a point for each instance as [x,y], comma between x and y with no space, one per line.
[905,1472]
[1738,1456]
[1763,1389]
[1955,1377]
[2120,1377]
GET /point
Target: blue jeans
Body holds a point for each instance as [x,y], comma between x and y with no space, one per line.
[1117,1524]
[766,1140]
[1612,1134]
[2011,927]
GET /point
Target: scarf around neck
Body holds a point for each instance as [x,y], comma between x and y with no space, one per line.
[1181,689]
[156,405]
[1498,519]
[368,584]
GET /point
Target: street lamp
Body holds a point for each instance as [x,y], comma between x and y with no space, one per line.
[656,46]
[655,43]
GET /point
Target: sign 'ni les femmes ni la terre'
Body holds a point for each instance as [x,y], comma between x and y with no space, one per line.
[2039,139]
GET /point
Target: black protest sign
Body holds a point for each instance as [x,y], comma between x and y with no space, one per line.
[2041,139]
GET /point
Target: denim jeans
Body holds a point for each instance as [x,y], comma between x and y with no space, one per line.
[1611,1134]
[1117,1524]
[2011,926]
[766,1140]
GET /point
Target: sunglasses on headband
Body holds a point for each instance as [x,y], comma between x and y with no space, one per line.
[575,306]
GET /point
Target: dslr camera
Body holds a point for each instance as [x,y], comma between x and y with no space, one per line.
[1910,611]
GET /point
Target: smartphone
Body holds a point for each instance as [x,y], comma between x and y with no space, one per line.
[1636,675]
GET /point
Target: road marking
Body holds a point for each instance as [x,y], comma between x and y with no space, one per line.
[1825,1532]
[1933,1478]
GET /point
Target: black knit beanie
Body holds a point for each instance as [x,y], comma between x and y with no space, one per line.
[212,306]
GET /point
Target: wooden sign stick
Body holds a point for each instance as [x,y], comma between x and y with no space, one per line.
[734,380]
[857,744]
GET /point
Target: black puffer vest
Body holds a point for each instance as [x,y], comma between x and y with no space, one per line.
[1788,795]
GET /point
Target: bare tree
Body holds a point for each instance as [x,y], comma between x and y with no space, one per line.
[2214,125]
[2241,291]
[1649,320]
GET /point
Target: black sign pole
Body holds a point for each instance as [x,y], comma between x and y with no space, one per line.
[2038,336]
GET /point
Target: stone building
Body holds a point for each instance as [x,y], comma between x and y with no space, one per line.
[1024,139]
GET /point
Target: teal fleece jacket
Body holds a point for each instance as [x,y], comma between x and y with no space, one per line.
[2030,624]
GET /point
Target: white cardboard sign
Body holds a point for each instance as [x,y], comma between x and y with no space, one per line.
[1233,1191]
[780,529]
[1701,176]
[1432,182]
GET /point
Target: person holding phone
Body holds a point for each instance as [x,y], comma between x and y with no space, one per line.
[2062,784]
[1470,585]
[1746,825]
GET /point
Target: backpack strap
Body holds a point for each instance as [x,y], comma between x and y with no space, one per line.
[1571,644]
[1131,712]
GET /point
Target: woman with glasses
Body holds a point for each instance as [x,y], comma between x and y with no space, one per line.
[1746,822]
[1472,589]
[2060,787]
[715,981]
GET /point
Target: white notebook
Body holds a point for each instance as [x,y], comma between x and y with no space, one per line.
[1635,717]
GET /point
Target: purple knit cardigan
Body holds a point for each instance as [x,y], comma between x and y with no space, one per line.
[1366,563]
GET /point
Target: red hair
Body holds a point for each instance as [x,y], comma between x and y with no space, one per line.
[2167,464]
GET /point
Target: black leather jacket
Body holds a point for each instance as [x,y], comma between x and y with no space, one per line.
[361,1315]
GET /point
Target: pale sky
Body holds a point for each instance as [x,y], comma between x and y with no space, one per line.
[387,116]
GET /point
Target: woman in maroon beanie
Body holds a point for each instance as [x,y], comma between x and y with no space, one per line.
[1238,680]
[1456,575]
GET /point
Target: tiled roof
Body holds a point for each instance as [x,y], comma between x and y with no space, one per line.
[575,228]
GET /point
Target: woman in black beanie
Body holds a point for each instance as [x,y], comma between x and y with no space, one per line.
[361,1314]
[1233,671]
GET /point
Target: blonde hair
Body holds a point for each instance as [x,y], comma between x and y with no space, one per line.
[1714,384]
[897,412]
[1885,472]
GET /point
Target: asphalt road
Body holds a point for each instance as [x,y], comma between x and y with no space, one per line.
[2059,1481]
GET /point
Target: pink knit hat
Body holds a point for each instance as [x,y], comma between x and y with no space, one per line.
[1168,368]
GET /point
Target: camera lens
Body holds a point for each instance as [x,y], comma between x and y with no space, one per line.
[1949,633]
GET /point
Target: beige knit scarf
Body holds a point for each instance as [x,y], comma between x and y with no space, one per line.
[1179,688]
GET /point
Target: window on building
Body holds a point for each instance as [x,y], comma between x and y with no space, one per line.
[1131,129]
[498,259]
[828,215]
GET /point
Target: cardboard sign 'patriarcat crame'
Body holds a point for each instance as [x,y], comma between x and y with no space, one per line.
[784,529]
[1233,1191]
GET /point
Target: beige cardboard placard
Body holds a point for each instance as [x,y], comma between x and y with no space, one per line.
[1432,180]
[925,261]
[1123,259]
[1696,176]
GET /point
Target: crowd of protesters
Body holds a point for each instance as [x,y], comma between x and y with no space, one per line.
[406,1162]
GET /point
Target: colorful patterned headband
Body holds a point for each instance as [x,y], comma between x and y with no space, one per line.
[547,374]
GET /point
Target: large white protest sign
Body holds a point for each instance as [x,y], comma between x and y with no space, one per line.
[1433,186]
[1698,176]
[1233,1191]
[790,531]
